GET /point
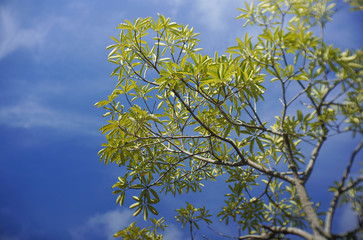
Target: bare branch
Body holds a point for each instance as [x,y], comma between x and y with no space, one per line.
[314,155]
[289,230]
[352,184]
[270,172]
[298,95]
[341,189]
[245,237]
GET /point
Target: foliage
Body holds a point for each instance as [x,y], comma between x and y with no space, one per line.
[187,118]
[137,233]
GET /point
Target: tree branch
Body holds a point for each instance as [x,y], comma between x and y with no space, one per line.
[347,234]
[307,205]
[314,156]
[245,237]
[341,189]
[208,129]
[270,172]
[289,230]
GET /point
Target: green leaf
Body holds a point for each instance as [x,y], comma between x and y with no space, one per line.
[137,212]
[135,205]
[152,209]
[101,103]
[173,112]
[146,213]
[299,116]
[154,193]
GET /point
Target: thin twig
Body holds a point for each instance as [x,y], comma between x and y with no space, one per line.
[341,189]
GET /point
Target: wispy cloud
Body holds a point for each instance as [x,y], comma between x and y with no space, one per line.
[173,233]
[216,14]
[105,225]
[13,36]
[102,225]
[213,14]
[174,6]
[30,112]
[348,219]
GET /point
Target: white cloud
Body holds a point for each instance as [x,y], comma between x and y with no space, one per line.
[174,5]
[348,219]
[216,14]
[172,232]
[102,225]
[12,36]
[30,112]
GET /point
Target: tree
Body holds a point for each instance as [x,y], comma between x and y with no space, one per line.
[187,118]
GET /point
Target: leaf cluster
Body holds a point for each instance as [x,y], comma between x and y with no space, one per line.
[179,118]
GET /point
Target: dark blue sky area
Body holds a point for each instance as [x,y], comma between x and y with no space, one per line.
[53,68]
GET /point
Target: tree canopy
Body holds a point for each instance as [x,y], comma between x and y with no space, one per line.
[179,118]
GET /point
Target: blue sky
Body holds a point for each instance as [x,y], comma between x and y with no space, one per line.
[53,68]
